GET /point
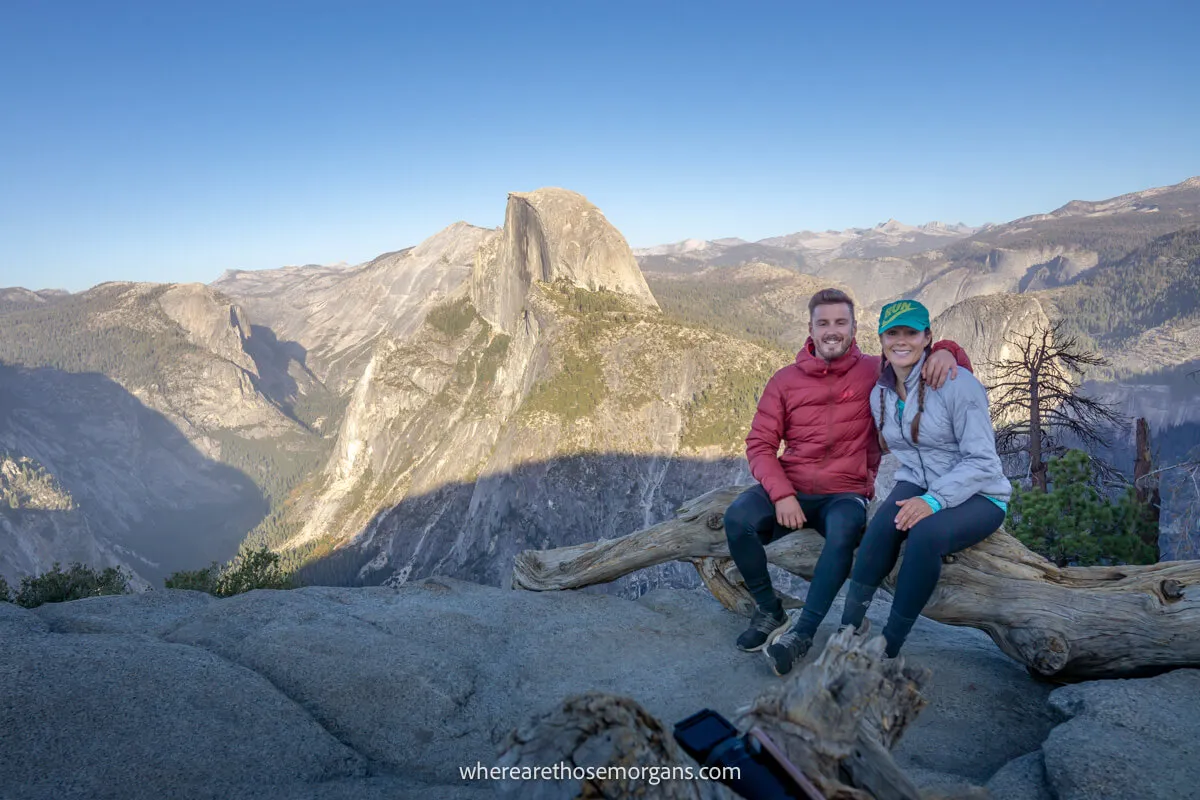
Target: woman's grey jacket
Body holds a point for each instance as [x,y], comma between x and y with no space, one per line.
[956,454]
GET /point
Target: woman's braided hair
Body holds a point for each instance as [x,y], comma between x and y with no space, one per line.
[879,428]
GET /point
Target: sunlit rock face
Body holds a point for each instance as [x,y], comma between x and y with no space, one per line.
[551,235]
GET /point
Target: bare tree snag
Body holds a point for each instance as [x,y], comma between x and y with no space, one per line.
[600,730]
[840,717]
[1073,623]
[836,720]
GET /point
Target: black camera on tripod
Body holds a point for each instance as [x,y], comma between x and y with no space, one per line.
[763,771]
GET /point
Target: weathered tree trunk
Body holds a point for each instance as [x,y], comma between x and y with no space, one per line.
[836,721]
[1072,623]
[1037,467]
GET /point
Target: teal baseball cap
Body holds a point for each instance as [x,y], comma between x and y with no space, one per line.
[909,313]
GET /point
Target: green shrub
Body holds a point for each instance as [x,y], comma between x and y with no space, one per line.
[200,580]
[452,319]
[250,569]
[572,393]
[720,414]
[5,592]
[77,582]
[601,301]
[1073,524]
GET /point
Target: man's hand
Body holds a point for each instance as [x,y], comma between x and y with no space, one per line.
[937,366]
[912,511]
[789,514]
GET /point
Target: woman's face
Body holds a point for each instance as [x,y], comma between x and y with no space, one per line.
[903,346]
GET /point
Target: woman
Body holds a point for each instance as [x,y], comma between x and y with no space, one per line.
[950,492]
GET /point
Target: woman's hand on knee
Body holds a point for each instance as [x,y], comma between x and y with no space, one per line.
[912,511]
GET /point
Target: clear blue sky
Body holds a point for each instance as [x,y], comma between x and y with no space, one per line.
[169,141]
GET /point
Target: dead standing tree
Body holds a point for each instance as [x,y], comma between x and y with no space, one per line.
[1035,398]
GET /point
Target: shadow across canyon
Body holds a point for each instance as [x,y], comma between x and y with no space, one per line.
[143,492]
[473,530]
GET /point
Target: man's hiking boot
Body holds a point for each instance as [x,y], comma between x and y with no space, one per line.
[787,649]
[763,625]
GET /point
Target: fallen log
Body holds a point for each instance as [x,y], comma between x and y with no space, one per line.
[1071,623]
[836,721]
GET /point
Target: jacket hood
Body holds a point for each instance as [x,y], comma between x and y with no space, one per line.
[811,363]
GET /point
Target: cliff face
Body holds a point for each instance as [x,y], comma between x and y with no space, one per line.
[551,235]
[211,322]
[25,484]
[567,408]
[986,270]
[987,326]
[331,316]
[457,451]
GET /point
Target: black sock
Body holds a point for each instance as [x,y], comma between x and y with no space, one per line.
[858,600]
[774,609]
[895,632]
[809,622]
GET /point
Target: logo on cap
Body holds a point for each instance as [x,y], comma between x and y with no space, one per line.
[896,309]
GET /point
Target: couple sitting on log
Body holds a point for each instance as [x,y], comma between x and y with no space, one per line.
[837,409]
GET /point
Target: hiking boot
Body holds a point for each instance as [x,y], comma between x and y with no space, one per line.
[763,626]
[787,649]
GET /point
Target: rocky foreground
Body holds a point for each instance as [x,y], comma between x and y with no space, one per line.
[336,692]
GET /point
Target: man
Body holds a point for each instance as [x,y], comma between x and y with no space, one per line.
[819,407]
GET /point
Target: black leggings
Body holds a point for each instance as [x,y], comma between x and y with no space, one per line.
[750,524]
[943,533]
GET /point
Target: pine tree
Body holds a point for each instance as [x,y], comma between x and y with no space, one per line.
[1072,523]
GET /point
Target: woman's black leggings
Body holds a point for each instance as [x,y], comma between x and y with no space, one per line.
[942,533]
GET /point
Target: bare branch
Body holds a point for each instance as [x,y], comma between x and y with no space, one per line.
[1044,377]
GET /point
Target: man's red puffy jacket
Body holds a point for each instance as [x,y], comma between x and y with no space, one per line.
[822,413]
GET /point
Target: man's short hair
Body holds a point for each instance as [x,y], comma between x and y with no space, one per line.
[828,297]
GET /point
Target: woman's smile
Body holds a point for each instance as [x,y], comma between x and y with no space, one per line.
[903,345]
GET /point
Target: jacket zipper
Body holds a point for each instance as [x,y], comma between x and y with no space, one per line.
[828,430]
[920,458]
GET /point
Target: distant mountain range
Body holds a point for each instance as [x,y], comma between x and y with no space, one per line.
[441,407]
[889,238]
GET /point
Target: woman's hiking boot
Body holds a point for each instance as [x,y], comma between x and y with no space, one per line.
[791,646]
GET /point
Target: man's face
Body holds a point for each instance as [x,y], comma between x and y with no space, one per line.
[832,328]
